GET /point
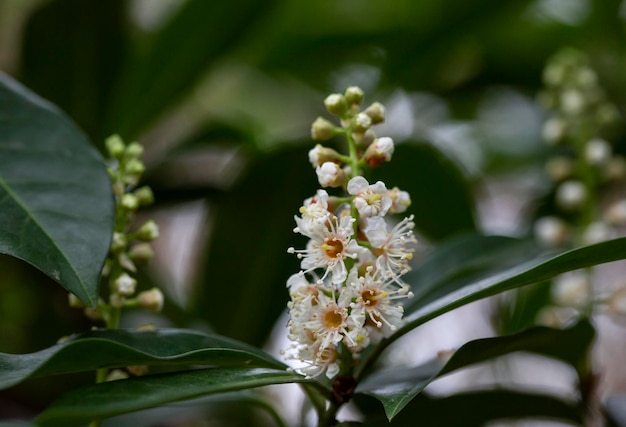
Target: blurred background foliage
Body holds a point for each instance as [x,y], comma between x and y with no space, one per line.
[222,94]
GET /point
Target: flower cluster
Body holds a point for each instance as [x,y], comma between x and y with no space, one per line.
[128,248]
[347,295]
[584,170]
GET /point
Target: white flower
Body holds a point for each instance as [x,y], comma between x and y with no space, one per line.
[400,200]
[314,213]
[379,151]
[370,200]
[391,247]
[328,248]
[329,174]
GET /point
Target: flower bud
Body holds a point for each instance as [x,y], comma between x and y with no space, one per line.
[553,130]
[144,195]
[616,214]
[117,374]
[400,200]
[586,77]
[572,102]
[553,75]
[151,300]
[134,150]
[141,252]
[556,317]
[118,243]
[559,168]
[117,300]
[336,104]
[595,233]
[320,154]
[148,232]
[115,146]
[376,111]
[354,96]
[129,201]
[362,122]
[92,313]
[551,231]
[138,370]
[379,151]
[127,263]
[571,290]
[124,285]
[571,195]
[134,169]
[597,152]
[329,174]
[322,129]
[74,302]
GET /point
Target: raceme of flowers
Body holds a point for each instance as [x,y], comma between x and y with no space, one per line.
[348,293]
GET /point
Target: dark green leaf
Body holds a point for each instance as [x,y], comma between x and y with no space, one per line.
[441,198]
[117,348]
[533,271]
[119,397]
[463,258]
[395,388]
[178,56]
[55,196]
[243,291]
[478,408]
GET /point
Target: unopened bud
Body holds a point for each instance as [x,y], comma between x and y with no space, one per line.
[134,150]
[586,77]
[571,195]
[118,242]
[320,154]
[144,195]
[598,152]
[354,96]
[126,263]
[336,104]
[129,201]
[148,232]
[553,130]
[322,129]
[376,111]
[115,146]
[362,122]
[616,214]
[571,290]
[553,75]
[551,231]
[134,169]
[125,285]
[400,200]
[329,174]
[141,252]
[117,300]
[74,302]
[559,168]
[151,300]
[117,374]
[379,151]
[595,233]
[92,313]
[572,102]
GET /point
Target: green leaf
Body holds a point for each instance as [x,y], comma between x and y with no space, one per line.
[478,408]
[178,56]
[463,258]
[118,348]
[536,270]
[395,388]
[441,198]
[55,197]
[242,291]
[120,397]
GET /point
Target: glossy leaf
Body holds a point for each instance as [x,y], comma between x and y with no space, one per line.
[533,271]
[463,258]
[242,291]
[441,198]
[478,408]
[118,348]
[119,397]
[177,57]
[395,388]
[56,206]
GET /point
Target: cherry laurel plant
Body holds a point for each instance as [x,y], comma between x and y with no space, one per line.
[349,292]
